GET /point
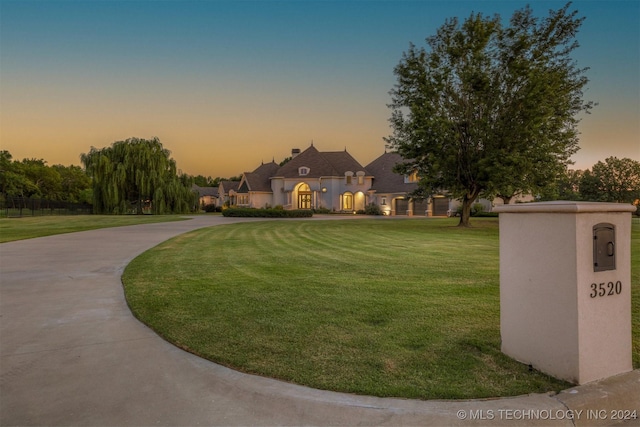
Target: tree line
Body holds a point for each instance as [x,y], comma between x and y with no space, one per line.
[131,176]
[614,180]
[33,178]
[122,178]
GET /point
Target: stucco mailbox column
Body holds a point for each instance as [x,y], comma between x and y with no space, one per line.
[565,279]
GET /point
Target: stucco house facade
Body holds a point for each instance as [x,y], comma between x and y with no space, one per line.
[254,189]
[335,181]
[310,180]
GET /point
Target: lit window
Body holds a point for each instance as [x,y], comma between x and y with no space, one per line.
[348,179]
[411,178]
[347,201]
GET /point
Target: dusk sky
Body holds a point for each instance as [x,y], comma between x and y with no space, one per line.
[226,85]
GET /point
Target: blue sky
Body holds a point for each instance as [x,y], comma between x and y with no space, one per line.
[228,84]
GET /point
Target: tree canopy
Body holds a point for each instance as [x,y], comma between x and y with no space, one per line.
[489,109]
[137,173]
[33,178]
[614,180]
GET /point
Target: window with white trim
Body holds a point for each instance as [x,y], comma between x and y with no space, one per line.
[348,177]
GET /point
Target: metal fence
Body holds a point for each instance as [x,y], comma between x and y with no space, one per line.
[19,207]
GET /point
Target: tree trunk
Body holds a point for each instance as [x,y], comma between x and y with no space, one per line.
[467,202]
[505,199]
[466,212]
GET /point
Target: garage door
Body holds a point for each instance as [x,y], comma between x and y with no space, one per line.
[440,206]
[401,206]
[420,207]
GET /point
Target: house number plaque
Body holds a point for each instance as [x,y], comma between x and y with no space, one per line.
[605,289]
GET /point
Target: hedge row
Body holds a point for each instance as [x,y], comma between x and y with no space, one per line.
[267,213]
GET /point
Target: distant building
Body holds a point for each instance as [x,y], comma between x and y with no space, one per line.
[206,195]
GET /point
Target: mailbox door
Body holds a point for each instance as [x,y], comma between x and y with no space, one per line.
[604,247]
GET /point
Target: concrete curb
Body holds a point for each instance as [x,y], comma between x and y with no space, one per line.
[606,402]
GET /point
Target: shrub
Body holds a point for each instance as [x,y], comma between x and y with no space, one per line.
[477,209]
[321,211]
[212,208]
[266,213]
[373,209]
[487,214]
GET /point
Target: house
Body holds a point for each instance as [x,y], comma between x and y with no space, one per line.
[227,192]
[254,189]
[310,180]
[392,191]
[206,195]
[335,181]
[313,180]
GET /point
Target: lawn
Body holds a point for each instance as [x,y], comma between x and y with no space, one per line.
[38,226]
[406,308]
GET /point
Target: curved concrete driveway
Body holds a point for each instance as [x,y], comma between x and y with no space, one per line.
[73,354]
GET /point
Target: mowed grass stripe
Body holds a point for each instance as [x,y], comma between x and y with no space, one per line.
[406,308]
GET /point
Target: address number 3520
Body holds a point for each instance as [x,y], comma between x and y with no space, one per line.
[605,289]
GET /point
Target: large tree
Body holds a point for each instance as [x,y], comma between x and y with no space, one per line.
[136,172]
[489,109]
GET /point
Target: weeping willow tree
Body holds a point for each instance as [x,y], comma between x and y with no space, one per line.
[132,174]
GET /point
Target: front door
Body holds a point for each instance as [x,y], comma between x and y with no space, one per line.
[304,200]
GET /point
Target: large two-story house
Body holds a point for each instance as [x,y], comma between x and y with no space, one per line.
[336,181]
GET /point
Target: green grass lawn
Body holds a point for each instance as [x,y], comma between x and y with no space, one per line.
[406,308]
[38,226]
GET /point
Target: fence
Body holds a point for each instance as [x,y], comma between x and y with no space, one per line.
[19,207]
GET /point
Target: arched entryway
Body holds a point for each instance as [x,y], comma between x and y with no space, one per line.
[303,196]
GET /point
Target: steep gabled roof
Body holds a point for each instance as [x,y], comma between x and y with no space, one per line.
[205,191]
[334,163]
[385,180]
[230,185]
[259,179]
